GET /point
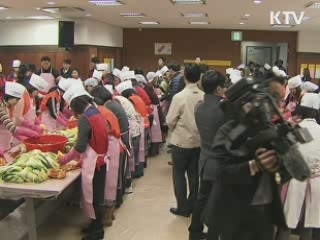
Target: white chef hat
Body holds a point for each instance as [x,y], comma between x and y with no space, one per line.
[309,87]
[164,70]
[102,67]
[39,83]
[278,72]
[140,78]
[116,72]
[267,66]
[127,75]
[124,86]
[16,63]
[65,84]
[93,82]
[229,71]
[97,74]
[73,92]
[125,69]
[294,82]
[235,76]
[241,66]
[14,89]
[109,87]
[310,100]
[151,76]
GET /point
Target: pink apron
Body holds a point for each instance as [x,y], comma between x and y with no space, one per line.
[89,159]
[142,153]
[112,176]
[5,143]
[51,80]
[131,153]
[156,136]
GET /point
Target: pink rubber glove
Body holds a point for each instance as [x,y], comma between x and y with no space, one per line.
[63,116]
[287,115]
[72,155]
[37,122]
[23,133]
[61,121]
[1,152]
[32,126]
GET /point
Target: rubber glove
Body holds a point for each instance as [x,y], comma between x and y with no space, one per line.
[1,152]
[34,127]
[63,116]
[23,133]
[72,155]
[37,122]
[61,121]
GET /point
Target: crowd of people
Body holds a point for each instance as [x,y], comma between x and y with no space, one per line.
[123,117]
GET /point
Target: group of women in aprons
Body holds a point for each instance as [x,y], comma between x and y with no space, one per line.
[118,123]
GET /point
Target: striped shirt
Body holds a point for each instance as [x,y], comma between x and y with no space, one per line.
[5,118]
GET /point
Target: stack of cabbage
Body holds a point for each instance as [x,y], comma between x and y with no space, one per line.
[72,135]
[31,167]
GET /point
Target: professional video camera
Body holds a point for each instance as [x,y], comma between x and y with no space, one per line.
[261,125]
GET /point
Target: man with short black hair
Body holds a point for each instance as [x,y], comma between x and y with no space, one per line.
[186,141]
[66,71]
[177,81]
[209,118]
[161,63]
[93,65]
[47,72]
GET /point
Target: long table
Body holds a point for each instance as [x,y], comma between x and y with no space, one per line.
[48,191]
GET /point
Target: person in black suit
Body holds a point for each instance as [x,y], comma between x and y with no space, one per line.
[209,117]
[66,71]
[244,202]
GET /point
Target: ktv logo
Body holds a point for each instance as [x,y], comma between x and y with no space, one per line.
[276,17]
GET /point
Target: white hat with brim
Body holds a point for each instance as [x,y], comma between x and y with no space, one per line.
[235,76]
[127,76]
[309,87]
[294,82]
[140,78]
[116,72]
[267,66]
[97,74]
[109,87]
[14,89]
[310,100]
[158,73]
[125,69]
[102,67]
[124,86]
[92,82]
[241,66]
[16,63]
[151,76]
[65,84]
[74,92]
[278,72]
[39,83]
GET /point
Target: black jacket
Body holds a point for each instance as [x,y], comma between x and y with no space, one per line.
[67,74]
[209,118]
[233,186]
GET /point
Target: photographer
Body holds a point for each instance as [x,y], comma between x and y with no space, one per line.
[244,203]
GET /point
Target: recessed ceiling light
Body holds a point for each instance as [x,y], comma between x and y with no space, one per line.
[106,2]
[199,23]
[257,1]
[132,15]
[51,3]
[242,23]
[3,8]
[313,5]
[51,9]
[194,14]
[37,8]
[188,1]
[282,26]
[88,15]
[247,15]
[149,23]
[8,17]
[40,17]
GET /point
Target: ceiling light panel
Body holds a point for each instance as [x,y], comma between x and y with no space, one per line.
[3,8]
[183,2]
[106,2]
[257,1]
[132,15]
[313,5]
[149,23]
[40,17]
[194,14]
[199,23]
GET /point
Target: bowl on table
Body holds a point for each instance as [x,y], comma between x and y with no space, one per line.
[46,143]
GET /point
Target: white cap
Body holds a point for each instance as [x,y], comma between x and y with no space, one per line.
[127,75]
[73,92]
[93,82]
[102,67]
[241,66]
[65,84]
[39,83]
[229,71]
[309,87]
[97,74]
[310,100]
[125,69]
[124,86]
[151,76]
[140,78]
[116,72]
[278,72]
[164,70]
[235,76]
[16,63]
[294,82]
[109,87]
[14,89]
[267,66]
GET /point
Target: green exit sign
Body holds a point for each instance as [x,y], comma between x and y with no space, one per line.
[236,36]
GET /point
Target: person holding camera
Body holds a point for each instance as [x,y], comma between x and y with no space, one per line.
[244,203]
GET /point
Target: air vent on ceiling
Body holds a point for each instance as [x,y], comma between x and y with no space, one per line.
[63,10]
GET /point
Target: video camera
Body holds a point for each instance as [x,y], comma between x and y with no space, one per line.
[262,125]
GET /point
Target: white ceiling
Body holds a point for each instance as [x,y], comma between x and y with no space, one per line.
[225,14]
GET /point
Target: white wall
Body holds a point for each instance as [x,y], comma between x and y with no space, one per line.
[45,32]
[309,41]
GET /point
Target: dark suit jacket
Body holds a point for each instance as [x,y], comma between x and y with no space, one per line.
[67,74]
[209,117]
[233,186]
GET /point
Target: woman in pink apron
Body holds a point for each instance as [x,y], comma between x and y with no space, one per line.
[92,151]
[13,93]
